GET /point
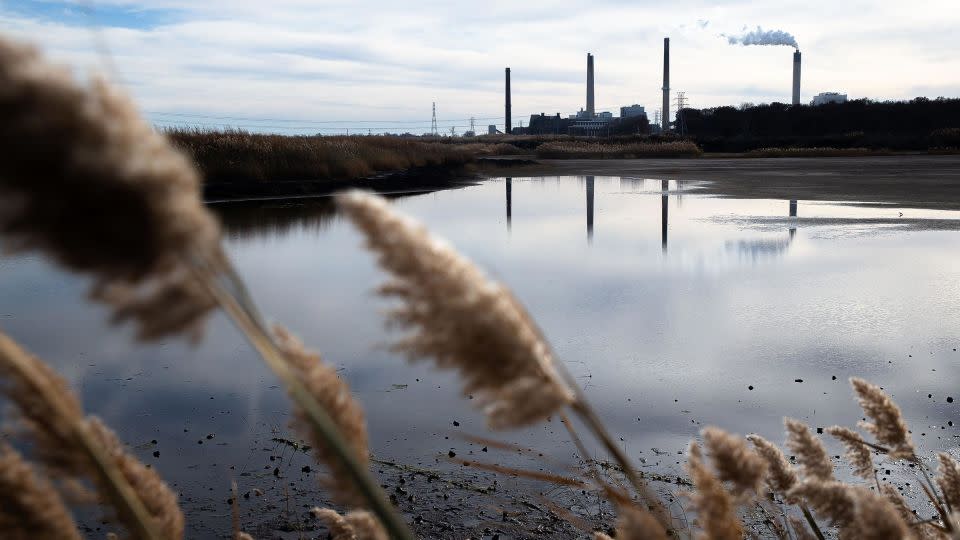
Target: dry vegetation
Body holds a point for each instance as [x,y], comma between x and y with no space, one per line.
[169,281]
[239,156]
[613,150]
[813,152]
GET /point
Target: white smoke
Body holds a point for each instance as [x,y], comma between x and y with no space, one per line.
[763,37]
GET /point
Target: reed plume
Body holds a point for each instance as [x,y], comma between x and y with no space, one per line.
[781,476]
[810,452]
[355,525]
[71,446]
[876,518]
[158,499]
[461,319]
[829,499]
[888,425]
[858,453]
[30,507]
[634,523]
[735,462]
[86,181]
[949,480]
[716,510]
[333,394]
[800,529]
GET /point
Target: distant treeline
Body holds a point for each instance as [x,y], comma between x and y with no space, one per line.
[920,124]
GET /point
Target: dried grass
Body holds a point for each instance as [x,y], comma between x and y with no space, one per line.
[356,525]
[888,425]
[608,150]
[781,475]
[735,462]
[333,394]
[858,453]
[30,507]
[460,319]
[716,509]
[236,156]
[810,452]
[81,171]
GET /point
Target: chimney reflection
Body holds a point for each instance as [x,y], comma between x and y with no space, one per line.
[793,214]
[589,208]
[509,202]
[664,188]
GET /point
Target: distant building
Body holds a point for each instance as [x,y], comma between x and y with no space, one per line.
[631,111]
[593,128]
[541,124]
[584,115]
[491,129]
[828,97]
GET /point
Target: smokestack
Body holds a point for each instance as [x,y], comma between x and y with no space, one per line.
[665,116]
[506,106]
[796,77]
[590,111]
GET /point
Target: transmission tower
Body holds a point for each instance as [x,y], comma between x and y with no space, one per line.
[433,123]
[682,104]
[473,128]
[453,131]
[656,117]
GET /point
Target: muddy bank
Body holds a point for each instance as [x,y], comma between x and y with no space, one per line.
[916,181]
[420,179]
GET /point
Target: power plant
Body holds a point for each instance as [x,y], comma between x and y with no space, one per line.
[588,121]
[796,77]
[506,105]
[665,115]
[591,113]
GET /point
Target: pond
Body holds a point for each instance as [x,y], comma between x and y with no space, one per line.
[672,309]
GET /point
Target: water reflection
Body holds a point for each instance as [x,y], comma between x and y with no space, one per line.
[509,184]
[847,303]
[793,214]
[590,187]
[664,212]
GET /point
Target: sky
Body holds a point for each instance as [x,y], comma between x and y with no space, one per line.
[318,66]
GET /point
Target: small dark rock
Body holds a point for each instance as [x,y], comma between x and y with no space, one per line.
[306,468]
[798,380]
[156,453]
[949,399]
[456,424]
[452,453]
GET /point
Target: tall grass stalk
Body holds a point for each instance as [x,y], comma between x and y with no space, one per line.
[119,491]
[244,316]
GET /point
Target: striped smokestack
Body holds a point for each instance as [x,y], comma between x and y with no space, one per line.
[590,110]
[665,117]
[506,105]
[796,77]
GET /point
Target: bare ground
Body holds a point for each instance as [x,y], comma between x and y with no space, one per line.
[916,181]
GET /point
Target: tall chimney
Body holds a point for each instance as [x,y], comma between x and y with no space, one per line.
[590,110]
[665,116]
[796,77]
[506,106]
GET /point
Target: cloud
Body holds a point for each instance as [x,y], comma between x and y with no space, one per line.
[377,60]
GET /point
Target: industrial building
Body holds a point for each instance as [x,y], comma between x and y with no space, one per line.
[631,111]
[828,97]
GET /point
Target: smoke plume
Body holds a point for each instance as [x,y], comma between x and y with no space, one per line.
[763,37]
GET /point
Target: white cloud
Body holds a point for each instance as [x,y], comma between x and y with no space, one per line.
[374,60]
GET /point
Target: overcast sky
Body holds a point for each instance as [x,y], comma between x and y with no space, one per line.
[290,65]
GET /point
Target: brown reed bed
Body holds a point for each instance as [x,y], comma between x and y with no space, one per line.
[236,156]
[814,152]
[86,147]
[614,150]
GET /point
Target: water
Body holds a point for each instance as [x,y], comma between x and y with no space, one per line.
[665,305]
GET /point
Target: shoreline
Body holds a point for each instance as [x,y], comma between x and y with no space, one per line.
[910,180]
